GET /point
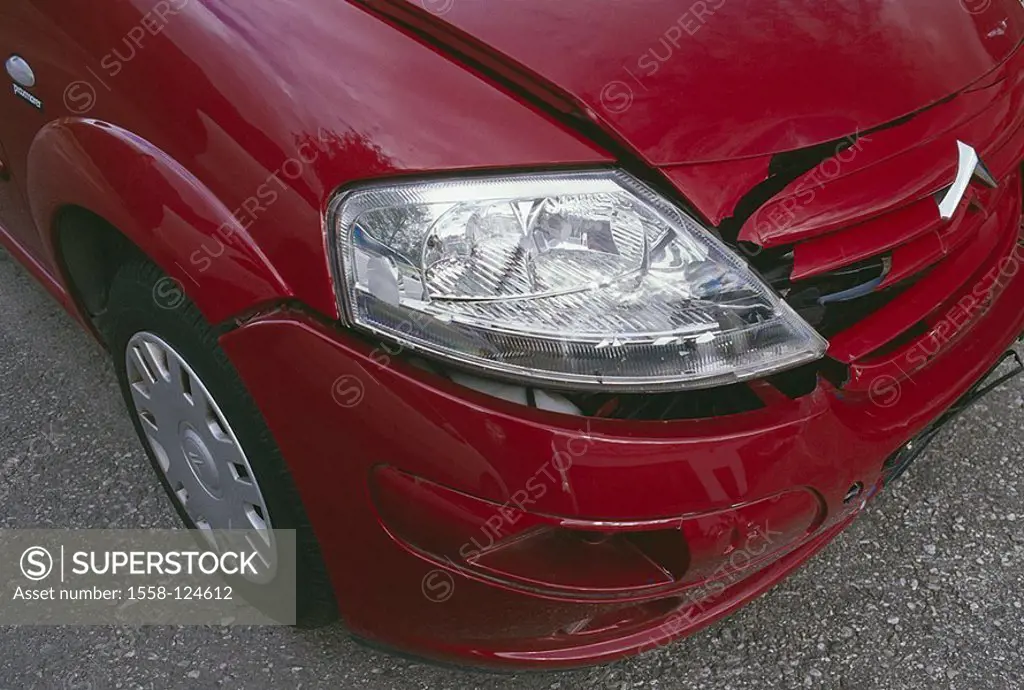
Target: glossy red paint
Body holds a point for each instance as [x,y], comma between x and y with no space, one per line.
[716,188]
[213,134]
[568,559]
[719,79]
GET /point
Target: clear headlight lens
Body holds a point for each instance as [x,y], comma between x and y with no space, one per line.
[581,280]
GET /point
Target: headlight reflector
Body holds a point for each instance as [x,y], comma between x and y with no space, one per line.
[580,280]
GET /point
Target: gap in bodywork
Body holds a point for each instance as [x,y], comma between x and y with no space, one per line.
[783,170]
[798,382]
[699,404]
[813,297]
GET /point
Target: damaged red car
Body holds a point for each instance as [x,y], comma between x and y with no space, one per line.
[557,330]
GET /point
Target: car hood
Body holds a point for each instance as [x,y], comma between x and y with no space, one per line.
[713,80]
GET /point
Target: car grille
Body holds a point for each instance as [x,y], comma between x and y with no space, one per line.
[868,259]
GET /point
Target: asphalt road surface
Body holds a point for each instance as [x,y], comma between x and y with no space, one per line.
[926,590]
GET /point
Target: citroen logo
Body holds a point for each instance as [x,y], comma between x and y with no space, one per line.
[970,169]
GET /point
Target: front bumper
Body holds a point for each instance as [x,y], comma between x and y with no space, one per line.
[343,415]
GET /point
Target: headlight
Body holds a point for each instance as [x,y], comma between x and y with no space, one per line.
[581,280]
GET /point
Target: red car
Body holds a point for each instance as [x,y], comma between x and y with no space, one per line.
[557,330]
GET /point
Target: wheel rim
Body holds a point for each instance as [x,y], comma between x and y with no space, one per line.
[195,448]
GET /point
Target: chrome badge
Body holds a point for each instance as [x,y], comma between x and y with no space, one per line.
[21,72]
[970,169]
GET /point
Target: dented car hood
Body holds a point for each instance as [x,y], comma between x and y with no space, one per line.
[712,80]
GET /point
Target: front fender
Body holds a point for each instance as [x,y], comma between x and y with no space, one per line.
[158,204]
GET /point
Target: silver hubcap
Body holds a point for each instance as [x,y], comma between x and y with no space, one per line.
[195,447]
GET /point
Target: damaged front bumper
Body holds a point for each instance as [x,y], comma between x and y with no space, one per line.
[463,527]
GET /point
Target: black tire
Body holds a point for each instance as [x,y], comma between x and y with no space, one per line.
[143,298]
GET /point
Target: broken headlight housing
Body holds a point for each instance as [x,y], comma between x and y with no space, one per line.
[575,280]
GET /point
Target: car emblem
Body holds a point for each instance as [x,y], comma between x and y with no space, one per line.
[21,72]
[970,169]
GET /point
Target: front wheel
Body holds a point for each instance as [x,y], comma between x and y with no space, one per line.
[204,436]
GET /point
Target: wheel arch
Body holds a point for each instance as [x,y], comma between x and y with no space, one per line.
[100,193]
